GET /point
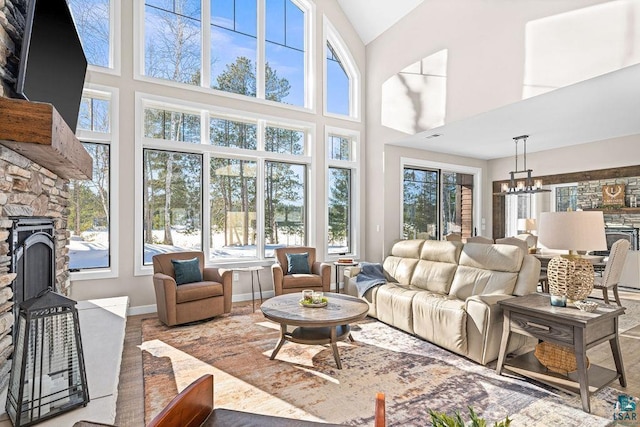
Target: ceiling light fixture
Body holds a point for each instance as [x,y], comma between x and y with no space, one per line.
[526,186]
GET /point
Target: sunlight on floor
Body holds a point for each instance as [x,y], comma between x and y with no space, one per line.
[229,391]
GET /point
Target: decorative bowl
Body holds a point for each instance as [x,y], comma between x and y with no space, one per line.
[589,306]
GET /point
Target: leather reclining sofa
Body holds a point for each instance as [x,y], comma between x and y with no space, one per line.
[447,293]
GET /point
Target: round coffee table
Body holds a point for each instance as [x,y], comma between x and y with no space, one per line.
[315,326]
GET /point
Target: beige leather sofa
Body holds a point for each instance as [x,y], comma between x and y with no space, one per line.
[447,293]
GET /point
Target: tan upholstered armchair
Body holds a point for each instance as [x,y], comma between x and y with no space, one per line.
[189,302]
[285,282]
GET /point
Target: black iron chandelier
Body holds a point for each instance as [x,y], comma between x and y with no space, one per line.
[526,185]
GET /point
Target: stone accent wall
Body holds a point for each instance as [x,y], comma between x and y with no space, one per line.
[26,188]
[590,195]
[12,13]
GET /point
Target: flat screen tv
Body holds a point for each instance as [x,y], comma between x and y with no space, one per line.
[52,62]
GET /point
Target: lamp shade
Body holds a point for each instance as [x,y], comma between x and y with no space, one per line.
[574,231]
[527,224]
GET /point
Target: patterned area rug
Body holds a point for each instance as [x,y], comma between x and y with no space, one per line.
[303,382]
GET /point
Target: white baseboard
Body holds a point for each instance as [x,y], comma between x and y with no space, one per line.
[152,308]
[142,309]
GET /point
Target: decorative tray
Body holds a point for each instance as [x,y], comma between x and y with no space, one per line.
[312,305]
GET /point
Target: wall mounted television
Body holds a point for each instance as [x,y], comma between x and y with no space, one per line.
[52,63]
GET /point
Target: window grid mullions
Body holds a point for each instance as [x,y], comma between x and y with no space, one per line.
[173,12]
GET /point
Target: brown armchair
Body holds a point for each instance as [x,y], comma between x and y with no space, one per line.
[319,278]
[177,304]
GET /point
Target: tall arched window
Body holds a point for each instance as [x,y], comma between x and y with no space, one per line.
[341,76]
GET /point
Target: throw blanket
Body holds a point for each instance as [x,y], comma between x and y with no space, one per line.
[371,274]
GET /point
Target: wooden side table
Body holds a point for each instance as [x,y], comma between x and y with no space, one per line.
[534,316]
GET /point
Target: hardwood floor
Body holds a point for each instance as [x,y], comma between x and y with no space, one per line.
[130,404]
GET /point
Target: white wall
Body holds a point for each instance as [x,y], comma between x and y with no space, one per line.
[485,70]
[140,288]
[610,153]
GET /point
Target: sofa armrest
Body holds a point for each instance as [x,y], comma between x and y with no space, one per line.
[484,326]
[352,271]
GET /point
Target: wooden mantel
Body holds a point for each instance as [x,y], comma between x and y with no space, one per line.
[37,131]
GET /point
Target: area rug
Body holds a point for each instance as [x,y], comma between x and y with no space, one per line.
[303,382]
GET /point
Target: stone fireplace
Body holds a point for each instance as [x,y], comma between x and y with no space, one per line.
[27,190]
[38,156]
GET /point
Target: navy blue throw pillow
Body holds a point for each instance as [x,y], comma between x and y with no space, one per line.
[187,271]
[298,263]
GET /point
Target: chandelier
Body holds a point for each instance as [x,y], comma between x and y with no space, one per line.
[525,185]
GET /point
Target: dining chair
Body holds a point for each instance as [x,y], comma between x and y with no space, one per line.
[613,270]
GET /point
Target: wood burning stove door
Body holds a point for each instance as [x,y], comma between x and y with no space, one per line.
[32,258]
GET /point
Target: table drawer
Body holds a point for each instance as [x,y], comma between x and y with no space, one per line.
[541,328]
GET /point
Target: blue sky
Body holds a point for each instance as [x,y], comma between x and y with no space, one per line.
[233,34]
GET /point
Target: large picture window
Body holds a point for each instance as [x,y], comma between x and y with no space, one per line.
[172,202]
[236,58]
[233,208]
[285,205]
[234,186]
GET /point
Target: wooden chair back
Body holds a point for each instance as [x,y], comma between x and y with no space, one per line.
[190,408]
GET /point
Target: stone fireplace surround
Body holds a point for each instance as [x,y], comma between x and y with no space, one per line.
[34,172]
[27,190]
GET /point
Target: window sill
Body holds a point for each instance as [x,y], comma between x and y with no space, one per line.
[93,274]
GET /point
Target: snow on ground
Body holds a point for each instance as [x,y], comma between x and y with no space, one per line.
[91,248]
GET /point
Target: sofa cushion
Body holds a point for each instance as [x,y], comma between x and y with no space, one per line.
[478,281]
[301,281]
[399,269]
[198,291]
[298,263]
[433,276]
[440,320]
[492,257]
[407,248]
[393,305]
[187,270]
[441,251]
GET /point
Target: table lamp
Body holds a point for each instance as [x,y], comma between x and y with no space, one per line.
[570,276]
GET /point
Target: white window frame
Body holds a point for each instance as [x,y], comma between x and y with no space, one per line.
[111,139]
[144,100]
[332,36]
[354,165]
[309,90]
[447,167]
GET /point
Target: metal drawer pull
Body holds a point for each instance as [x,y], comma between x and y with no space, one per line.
[539,326]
